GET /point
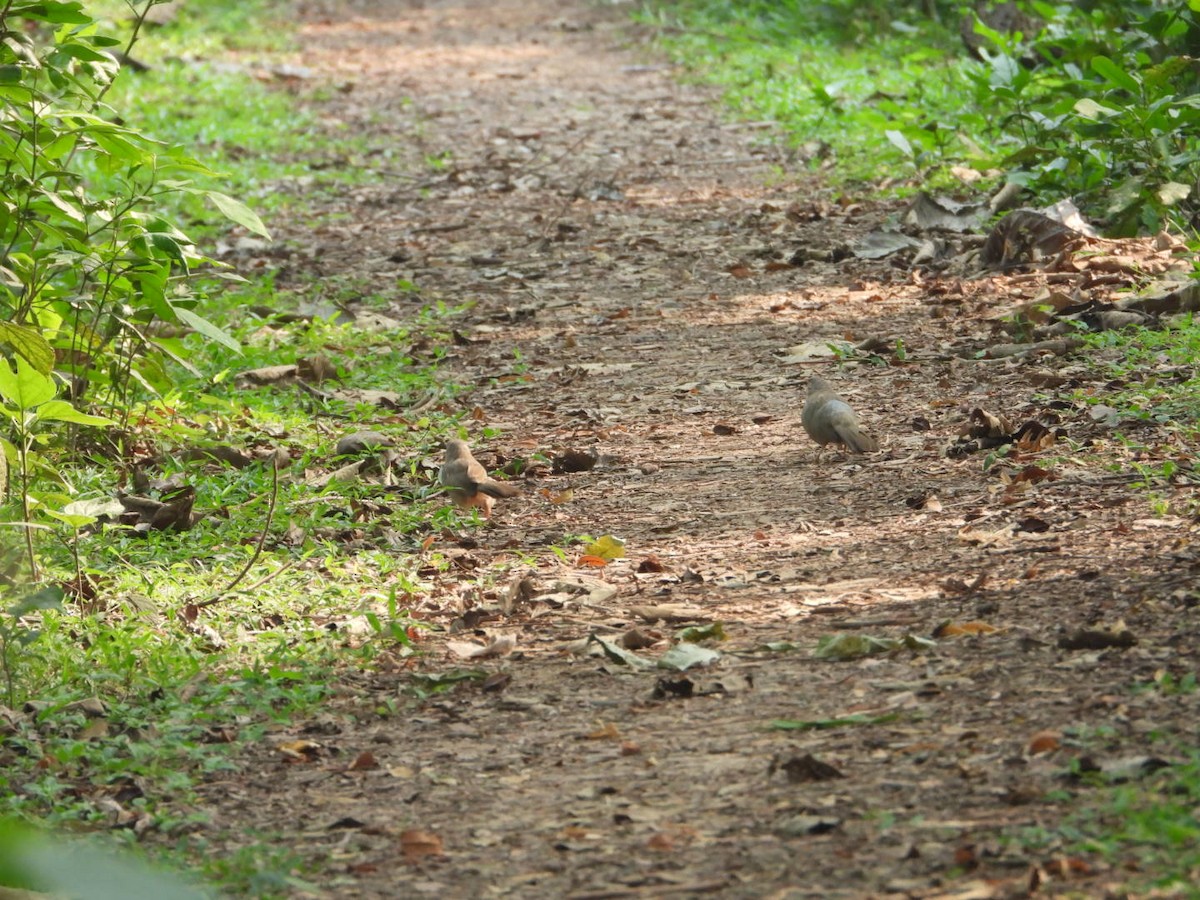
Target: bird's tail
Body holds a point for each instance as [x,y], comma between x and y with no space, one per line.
[498,489]
[857,441]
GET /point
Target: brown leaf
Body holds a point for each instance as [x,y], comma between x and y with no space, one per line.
[651,564]
[496,682]
[416,844]
[636,639]
[364,760]
[300,750]
[268,375]
[1097,639]
[573,461]
[606,732]
[315,369]
[950,629]
[806,768]
[1044,742]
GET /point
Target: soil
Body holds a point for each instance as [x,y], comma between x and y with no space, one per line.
[623,252]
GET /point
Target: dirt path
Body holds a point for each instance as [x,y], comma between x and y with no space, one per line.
[623,252]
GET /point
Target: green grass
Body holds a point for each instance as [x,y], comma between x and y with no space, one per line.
[180,700]
[1151,372]
[845,81]
[203,93]
[1146,830]
[1097,103]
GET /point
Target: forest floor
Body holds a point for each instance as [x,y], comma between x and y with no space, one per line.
[624,252]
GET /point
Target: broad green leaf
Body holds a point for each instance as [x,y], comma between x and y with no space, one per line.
[76,868]
[206,328]
[168,245]
[1114,74]
[79,51]
[62,411]
[1128,193]
[95,509]
[28,344]
[714,631]
[72,211]
[52,11]
[73,519]
[60,146]
[853,646]
[119,147]
[1090,109]
[239,212]
[685,656]
[1172,192]
[900,142]
[620,654]
[25,388]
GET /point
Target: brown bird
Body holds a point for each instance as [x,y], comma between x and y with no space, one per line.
[828,419]
[467,482]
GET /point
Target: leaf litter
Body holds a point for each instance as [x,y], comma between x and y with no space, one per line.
[596,216]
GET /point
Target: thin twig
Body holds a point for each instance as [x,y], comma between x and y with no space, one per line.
[262,539]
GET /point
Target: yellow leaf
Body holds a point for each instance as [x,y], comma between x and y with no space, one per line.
[606,547]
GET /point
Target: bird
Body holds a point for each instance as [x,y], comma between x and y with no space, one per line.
[467,481]
[828,419]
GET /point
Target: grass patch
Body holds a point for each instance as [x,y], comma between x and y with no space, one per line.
[127,702]
[1146,828]
[1094,103]
[839,81]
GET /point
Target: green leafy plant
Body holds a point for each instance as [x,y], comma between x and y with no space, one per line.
[16,634]
[1097,101]
[1107,111]
[28,400]
[88,263]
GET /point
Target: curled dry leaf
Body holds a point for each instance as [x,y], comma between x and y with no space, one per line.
[951,629]
[364,760]
[1097,639]
[315,369]
[806,768]
[1045,742]
[670,613]
[651,564]
[606,732]
[498,645]
[570,461]
[416,844]
[636,639]
[300,750]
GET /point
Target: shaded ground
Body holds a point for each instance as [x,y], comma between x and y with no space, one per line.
[622,250]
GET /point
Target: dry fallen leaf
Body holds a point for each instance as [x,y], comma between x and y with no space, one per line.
[416,844]
[606,732]
[364,760]
[300,750]
[1045,742]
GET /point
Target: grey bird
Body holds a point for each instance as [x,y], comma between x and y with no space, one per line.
[467,481]
[828,419]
